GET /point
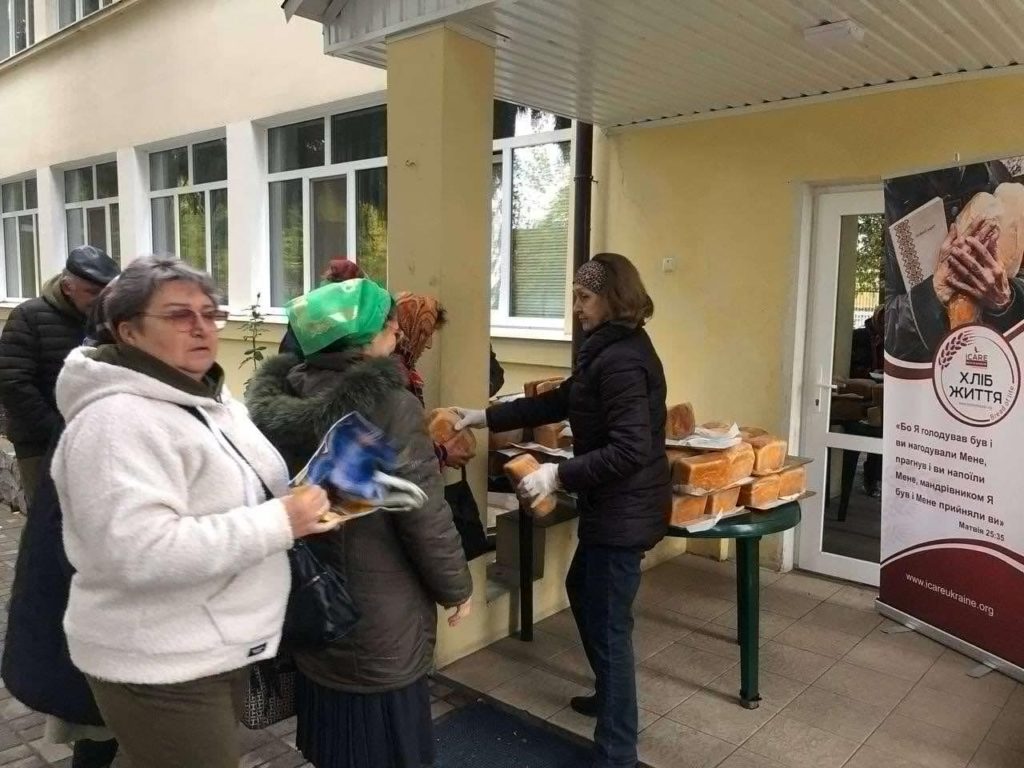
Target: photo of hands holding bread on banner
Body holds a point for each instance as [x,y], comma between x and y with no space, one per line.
[954,242]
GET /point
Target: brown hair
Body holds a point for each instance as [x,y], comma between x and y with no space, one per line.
[627,298]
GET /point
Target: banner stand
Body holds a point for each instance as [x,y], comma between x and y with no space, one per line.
[951,641]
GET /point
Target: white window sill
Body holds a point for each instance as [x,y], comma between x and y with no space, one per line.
[536,334]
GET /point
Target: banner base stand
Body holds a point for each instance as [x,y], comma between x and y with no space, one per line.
[980,671]
[985,658]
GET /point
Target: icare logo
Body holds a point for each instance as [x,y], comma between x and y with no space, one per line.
[976,375]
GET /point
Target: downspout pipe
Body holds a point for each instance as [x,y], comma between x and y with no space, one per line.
[584,182]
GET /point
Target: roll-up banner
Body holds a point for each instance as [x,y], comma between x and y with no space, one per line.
[953,490]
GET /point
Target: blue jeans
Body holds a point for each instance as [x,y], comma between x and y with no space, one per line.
[602,583]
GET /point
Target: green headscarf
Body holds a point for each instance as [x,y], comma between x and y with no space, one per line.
[354,310]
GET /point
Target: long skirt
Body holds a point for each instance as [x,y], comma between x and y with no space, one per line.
[337,729]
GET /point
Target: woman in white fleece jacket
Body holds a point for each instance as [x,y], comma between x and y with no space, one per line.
[177,519]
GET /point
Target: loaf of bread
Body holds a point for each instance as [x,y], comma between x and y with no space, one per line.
[686,509]
[769,454]
[679,421]
[519,467]
[723,501]
[741,462]
[547,385]
[997,220]
[498,440]
[748,432]
[530,387]
[547,434]
[760,493]
[674,454]
[441,426]
[706,471]
[792,482]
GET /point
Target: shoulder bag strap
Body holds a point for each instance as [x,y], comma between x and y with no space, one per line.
[195,412]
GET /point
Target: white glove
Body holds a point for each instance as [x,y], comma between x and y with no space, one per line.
[469,417]
[540,482]
[399,494]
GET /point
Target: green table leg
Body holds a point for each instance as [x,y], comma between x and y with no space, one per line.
[748,604]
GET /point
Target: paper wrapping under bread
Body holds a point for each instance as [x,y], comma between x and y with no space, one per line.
[780,502]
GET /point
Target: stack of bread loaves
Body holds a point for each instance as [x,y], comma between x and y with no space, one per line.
[754,473]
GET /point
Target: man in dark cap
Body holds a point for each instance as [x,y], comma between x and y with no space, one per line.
[36,338]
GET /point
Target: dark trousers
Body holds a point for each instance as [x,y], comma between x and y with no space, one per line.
[93,754]
[602,583]
[180,725]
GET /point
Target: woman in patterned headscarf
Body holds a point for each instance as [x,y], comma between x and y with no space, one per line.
[419,316]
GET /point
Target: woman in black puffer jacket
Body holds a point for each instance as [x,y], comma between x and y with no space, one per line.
[615,403]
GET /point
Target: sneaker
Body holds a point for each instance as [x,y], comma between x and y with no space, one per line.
[585,705]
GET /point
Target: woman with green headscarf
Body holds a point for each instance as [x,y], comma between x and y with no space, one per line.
[364,702]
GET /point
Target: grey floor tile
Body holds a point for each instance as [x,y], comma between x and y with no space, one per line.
[864,685]
[794,743]
[484,670]
[543,646]
[1008,729]
[538,692]
[822,640]
[776,691]
[954,714]
[949,675]
[721,716]
[769,624]
[794,663]
[841,715]
[925,744]
[990,755]
[668,744]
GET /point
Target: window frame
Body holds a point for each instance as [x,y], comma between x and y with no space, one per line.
[308,175]
[4,216]
[191,188]
[30,20]
[87,205]
[500,317]
[79,15]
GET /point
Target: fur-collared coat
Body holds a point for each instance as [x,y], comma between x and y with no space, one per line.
[398,566]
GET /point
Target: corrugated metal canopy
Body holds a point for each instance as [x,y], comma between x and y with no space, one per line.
[620,62]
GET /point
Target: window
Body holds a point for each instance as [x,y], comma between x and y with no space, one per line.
[70,11]
[19,244]
[17,26]
[530,217]
[328,199]
[189,205]
[91,209]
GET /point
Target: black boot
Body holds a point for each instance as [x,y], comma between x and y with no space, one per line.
[585,705]
[93,754]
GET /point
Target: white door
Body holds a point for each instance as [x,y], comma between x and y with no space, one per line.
[841,413]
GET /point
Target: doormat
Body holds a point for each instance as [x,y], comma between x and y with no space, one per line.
[480,734]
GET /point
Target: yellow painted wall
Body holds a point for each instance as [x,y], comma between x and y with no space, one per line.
[722,196]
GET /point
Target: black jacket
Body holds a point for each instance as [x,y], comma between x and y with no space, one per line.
[37,667]
[615,402]
[36,338]
[398,566]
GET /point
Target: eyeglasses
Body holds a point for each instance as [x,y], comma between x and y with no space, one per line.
[184,320]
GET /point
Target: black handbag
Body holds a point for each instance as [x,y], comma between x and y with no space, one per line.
[466,514]
[320,609]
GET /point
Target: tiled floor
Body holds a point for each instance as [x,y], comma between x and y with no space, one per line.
[838,689]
